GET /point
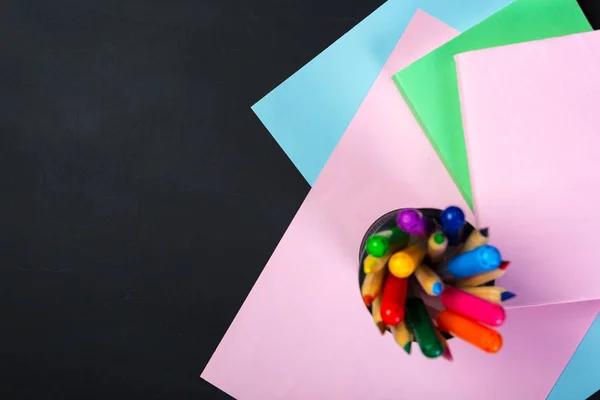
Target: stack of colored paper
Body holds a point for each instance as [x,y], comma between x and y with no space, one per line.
[405,111]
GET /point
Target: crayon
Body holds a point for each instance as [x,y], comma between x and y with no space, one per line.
[436,246]
[452,220]
[412,221]
[393,300]
[380,244]
[433,311]
[482,259]
[483,278]
[371,287]
[403,263]
[473,307]
[429,280]
[470,331]
[403,336]
[432,302]
[476,239]
[446,354]
[375,264]
[376,312]
[493,294]
[421,326]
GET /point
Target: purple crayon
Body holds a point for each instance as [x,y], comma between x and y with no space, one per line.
[412,221]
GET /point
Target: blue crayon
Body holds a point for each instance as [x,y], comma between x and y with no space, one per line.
[482,259]
[452,221]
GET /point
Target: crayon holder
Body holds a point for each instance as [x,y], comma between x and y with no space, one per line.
[388,221]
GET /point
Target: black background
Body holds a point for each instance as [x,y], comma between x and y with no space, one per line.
[140,195]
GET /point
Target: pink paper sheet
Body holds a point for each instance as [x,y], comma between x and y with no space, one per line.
[531,116]
[304,333]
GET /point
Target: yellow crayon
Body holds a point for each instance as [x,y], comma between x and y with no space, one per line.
[371,287]
[376,312]
[493,294]
[374,264]
[403,336]
[476,239]
[483,278]
[429,280]
[403,263]
[436,246]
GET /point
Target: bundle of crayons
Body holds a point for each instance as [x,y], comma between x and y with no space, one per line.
[412,266]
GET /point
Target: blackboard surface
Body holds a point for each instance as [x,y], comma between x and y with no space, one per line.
[140,196]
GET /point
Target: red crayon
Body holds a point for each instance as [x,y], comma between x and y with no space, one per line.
[393,300]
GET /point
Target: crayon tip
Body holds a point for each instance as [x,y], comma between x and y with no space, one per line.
[485,232]
[368,300]
[438,288]
[377,246]
[489,256]
[507,295]
[504,265]
[439,238]
[447,355]
[381,327]
[368,265]
[407,347]
[452,219]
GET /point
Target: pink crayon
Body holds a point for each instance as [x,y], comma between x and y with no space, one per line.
[472,306]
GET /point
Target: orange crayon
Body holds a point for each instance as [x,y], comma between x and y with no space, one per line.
[470,331]
[371,287]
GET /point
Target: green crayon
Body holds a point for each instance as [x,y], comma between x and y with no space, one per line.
[420,323]
[379,244]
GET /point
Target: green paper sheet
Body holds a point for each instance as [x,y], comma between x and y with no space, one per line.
[430,85]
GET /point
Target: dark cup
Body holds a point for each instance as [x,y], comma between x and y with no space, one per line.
[388,221]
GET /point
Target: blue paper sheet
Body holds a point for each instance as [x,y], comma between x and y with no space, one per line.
[581,378]
[309,112]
